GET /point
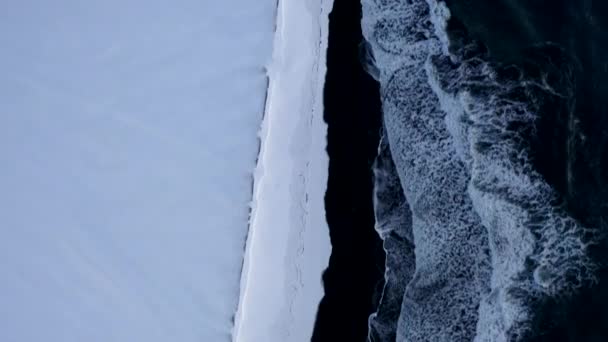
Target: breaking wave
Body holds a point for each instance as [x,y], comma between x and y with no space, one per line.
[492,241]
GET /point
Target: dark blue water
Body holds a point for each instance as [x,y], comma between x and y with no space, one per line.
[495,114]
[489,194]
[570,143]
[353,115]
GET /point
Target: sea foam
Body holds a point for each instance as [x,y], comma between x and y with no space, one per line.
[394,225]
[491,241]
[451,270]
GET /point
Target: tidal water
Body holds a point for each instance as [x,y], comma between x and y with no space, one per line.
[352,110]
[563,41]
[468,197]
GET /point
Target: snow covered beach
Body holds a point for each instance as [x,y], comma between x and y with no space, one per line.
[288,243]
[128,136]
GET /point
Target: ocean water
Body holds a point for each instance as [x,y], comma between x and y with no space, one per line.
[353,278]
[495,120]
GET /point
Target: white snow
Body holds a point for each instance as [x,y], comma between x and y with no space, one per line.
[128,136]
[288,244]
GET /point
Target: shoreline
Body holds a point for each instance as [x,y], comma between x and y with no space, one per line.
[282,268]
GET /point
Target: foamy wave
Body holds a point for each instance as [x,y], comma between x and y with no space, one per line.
[458,129]
[394,225]
[538,251]
[452,271]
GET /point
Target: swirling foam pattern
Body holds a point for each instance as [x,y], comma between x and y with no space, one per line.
[490,241]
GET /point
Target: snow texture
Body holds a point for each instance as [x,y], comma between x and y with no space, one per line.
[127,144]
[491,243]
[288,246]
